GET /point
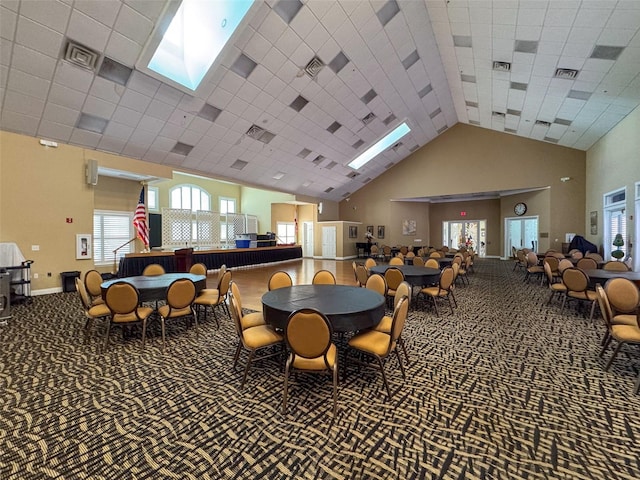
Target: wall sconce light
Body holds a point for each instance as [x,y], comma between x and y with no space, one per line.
[48,143]
[565,179]
[320,208]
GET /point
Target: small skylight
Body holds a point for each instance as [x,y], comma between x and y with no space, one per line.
[380,146]
[196,35]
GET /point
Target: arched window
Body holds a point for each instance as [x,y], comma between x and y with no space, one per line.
[189,197]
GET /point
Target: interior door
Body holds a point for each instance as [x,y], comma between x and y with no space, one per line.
[329,242]
[520,233]
[308,239]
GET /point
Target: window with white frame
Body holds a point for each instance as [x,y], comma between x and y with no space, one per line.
[189,197]
[286,232]
[227,205]
[152,199]
[615,221]
[110,231]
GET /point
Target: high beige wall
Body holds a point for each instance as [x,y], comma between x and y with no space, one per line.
[613,163]
[258,202]
[283,212]
[468,159]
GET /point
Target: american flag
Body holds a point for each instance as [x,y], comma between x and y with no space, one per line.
[140,220]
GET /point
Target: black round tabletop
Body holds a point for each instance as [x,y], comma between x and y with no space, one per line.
[601,276]
[415,275]
[155,287]
[348,308]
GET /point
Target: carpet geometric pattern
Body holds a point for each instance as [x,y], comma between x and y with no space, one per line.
[506,388]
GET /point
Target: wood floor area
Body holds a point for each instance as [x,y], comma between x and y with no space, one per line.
[253,280]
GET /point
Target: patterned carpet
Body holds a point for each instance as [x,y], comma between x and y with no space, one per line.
[504,389]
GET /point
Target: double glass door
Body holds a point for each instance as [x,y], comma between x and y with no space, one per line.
[469,233]
[521,233]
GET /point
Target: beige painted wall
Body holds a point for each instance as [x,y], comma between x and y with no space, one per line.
[613,163]
[468,159]
[258,202]
[282,212]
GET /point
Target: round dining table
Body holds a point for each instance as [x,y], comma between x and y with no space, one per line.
[348,308]
[416,276]
[600,275]
[152,288]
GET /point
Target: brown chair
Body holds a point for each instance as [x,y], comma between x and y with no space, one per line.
[153,270]
[374,251]
[396,261]
[614,266]
[394,277]
[279,279]
[435,255]
[418,261]
[563,264]
[557,288]
[214,298]
[553,263]
[308,336]
[247,320]
[577,283]
[404,250]
[198,269]
[623,299]
[596,256]
[179,304]
[381,345]
[386,251]
[521,260]
[377,283]
[532,267]
[323,277]
[370,262]
[362,274]
[253,339]
[463,271]
[92,282]
[404,290]
[123,301]
[442,290]
[587,264]
[622,333]
[576,254]
[91,311]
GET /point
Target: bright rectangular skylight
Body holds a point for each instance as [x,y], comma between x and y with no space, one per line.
[380,146]
[195,37]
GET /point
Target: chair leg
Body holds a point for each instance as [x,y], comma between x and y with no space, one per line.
[404,349]
[455,302]
[615,352]
[637,387]
[564,300]
[450,304]
[195,320]
[237,354]
[286,389]
[605,343]
[593,307]
[435,304]
[246,368]
[335,389]
[400,363]
[144,332]
[384,377]
[163,333]
[106,337]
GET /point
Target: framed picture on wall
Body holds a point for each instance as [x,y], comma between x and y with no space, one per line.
[370,229]
[408,227]
[353,231]
[594,223]
[83,246]
[380,231]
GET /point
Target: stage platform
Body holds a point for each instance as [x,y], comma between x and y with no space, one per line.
[133,264]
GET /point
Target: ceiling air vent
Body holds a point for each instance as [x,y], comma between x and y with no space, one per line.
[369,118]
[313,67]
[396,147]
[502,66]
[81,56]
[567,73]
[353,174]
[497,114]
[258,133]
[318,160]
[239,164]
[328,190]
[543,123]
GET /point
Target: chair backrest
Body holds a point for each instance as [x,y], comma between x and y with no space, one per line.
[236,314]
[82,292]
[399,318]
[396,261]
[92,281]
[596,256]
[221,271]
[403,290]
[587,264]
[456,268]
[564,264]
[614,266]
[420,252]
[514,252]
[223,286]
[435,255]
[444,248]
[457,260]
[577,254]
[410,255]
[181,293]
[198,269]
[362,274]
[547,271]
[532,259]
[394,277]
[374,249]
[603,302]
[433,263]
[575,279]
[418,261]
[234,291]
[623,295]
[279,279]
[522,257]
[386,250]
[153,270]
[377,283]
[552,262]
[308,334]
[122,298]
[323,277]
[370,262]
[446,278]
[558,255]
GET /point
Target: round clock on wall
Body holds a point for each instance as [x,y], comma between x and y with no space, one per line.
[520,208]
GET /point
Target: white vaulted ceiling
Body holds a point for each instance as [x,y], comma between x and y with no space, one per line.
[427,62]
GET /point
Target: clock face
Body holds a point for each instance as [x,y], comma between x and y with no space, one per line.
[520,208]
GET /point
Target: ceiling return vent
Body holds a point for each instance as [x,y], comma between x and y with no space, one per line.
[313,67]
[543,123]
[258,133]
[566,73]
[369,118]
[81,56]
[502,66]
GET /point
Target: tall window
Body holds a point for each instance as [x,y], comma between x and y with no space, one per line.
[286,232]
[152,199]
[227,205]
[227,229]
[110,231]
[189,197]
[615,221]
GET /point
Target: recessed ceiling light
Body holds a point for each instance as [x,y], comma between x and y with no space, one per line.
[358,144]
[380,146]
[579,95]
[195,37]
[526,46]
[388,120]
[287,9]
[387,12]
[562,121]
[462,41]
[468,78]
[243,66]
[91,123]
[442,129]
[606,52]
[182,148]
[469,103]
[318,160]
[298,103]
[435,113]
[474,122]
[339,62]
[518,86]
[510,130]
[328,190]
[279,176]
[370,95]
[239,164]
[304,152]
[410,60]
[422,93]
[209,112]
[513,112]
[334,127]
[552,140]
[114,71]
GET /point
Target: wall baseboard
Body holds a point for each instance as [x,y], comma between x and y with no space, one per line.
[46,291]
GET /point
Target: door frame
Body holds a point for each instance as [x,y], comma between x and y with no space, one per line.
[307,239]
[507,248]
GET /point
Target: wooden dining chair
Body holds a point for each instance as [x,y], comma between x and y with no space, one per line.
[396,261]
